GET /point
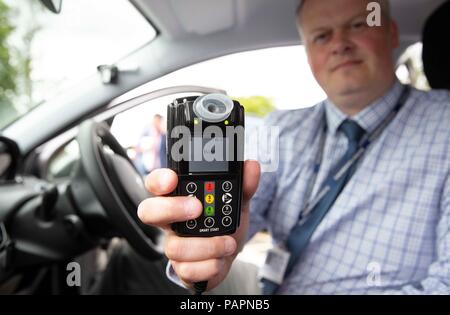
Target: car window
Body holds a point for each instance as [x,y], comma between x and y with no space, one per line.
[48,53]
[280,75]
[63,163]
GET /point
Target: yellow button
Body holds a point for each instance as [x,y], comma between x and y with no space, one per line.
[209,198]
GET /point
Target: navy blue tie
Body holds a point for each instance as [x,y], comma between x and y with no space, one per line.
[300,234]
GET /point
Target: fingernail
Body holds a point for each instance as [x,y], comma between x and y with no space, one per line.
[229,246]
[139,211]
[164,183]
[190,207]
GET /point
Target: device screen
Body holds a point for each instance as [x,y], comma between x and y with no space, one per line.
[208,155]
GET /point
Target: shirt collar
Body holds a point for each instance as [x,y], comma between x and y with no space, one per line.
[370,117]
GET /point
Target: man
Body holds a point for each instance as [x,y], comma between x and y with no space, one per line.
[151,149]
[387,229]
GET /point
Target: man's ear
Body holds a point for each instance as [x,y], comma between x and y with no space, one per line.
[393,29]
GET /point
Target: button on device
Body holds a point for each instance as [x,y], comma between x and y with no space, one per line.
[209,222]
[226,210]
[226,221]
[191,187]
[209,186]
[191,224]
[209,198]
[226,198]
[226,186]
[209,211]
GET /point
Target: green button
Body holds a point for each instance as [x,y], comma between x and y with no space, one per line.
[209,211]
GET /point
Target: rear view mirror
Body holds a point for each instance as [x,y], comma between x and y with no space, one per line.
[52,5]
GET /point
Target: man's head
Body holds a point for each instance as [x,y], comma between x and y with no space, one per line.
[351,61]
[157,122]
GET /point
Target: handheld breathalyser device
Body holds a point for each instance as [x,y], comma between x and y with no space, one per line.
[205,147]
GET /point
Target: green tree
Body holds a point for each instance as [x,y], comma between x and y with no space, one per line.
[16,64]
[8,73]
[24,58]
[257,105]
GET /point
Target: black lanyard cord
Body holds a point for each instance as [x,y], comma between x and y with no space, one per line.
[362,148]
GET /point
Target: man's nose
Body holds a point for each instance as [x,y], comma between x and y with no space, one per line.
[341,43]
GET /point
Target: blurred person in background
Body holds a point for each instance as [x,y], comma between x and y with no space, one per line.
[150,151]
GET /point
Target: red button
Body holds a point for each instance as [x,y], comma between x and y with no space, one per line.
[209,186]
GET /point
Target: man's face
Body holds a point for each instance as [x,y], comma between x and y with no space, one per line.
[345,54]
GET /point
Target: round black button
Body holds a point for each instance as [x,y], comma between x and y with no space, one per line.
[191,224]
[191,188]
[227,209]
[209,222]
[226,221]
[226,186]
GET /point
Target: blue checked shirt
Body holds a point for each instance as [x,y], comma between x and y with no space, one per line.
[388,231]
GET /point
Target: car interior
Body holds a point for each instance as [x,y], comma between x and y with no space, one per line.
[68,187]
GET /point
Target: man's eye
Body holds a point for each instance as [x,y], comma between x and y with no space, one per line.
[358,25]
[320,38]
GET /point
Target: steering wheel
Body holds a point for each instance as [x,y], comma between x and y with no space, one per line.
[117,185]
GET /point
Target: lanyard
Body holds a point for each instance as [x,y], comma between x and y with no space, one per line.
[362,148]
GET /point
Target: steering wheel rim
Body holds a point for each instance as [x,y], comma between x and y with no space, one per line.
[92,137]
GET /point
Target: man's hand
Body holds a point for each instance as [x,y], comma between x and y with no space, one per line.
[195,259]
